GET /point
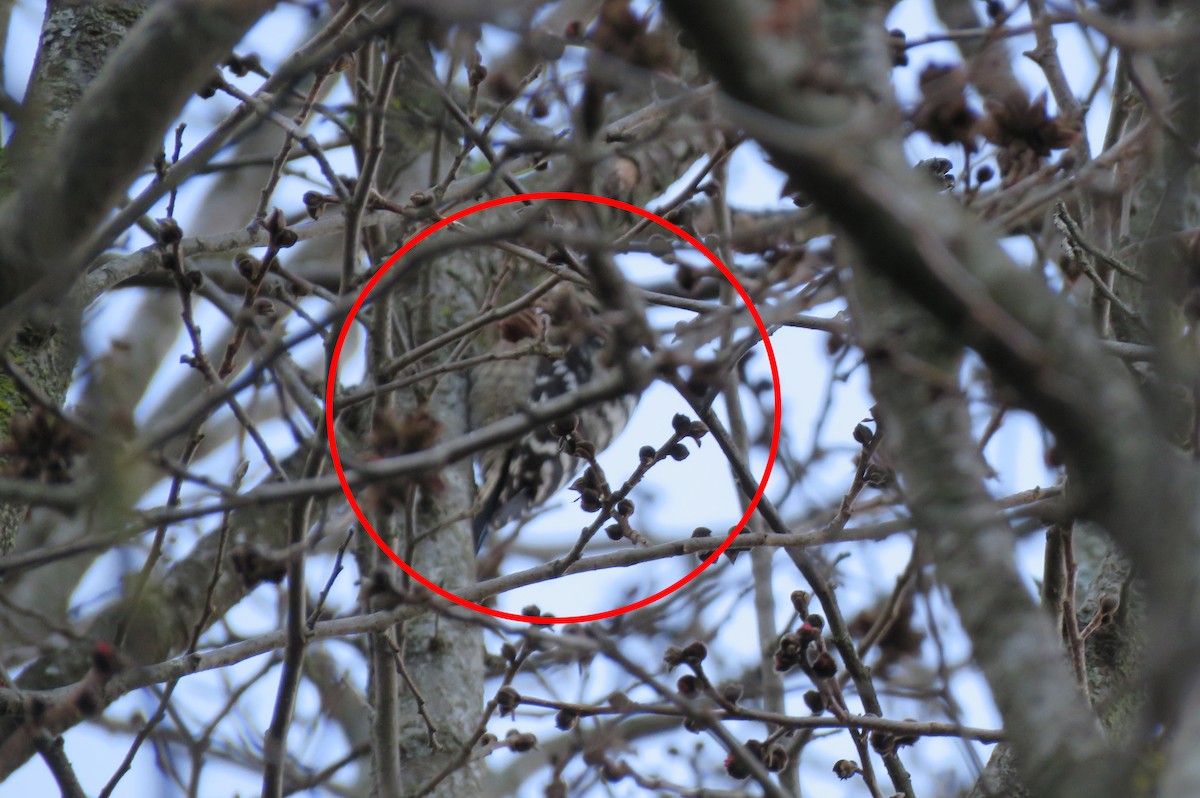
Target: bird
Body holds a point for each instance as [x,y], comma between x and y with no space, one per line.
[525,474]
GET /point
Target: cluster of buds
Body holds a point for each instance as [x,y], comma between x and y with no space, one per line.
[688,428]
[773,757]
[566,429]
[515,740]
[169,237]
[805,649]
[794,648]
[694,684]
[592,490]
[621,529]
[691,655]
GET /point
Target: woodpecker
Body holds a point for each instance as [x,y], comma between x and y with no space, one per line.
[528,472]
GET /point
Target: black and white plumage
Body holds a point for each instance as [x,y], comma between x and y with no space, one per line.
[528,473]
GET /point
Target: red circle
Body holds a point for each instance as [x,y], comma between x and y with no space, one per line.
[331,382]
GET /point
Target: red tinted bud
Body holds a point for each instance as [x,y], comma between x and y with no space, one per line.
[735,768]
[824,666]
[104,659]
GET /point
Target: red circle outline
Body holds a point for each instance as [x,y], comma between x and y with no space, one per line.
[331,383]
